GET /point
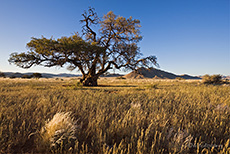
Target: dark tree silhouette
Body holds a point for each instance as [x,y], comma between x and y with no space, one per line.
[37,75]
[113,45]
[2,74]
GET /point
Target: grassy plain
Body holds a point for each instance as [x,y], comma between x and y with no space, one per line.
[119,116]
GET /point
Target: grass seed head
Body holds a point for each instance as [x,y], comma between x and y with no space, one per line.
[60,131]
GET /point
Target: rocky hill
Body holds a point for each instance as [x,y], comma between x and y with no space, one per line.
[156,73]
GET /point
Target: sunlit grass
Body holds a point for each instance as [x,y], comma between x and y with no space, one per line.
[60,132]
[129,116]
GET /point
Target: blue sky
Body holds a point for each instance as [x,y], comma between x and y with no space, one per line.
[187,36]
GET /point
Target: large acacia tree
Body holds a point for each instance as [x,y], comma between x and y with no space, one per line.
[112,45]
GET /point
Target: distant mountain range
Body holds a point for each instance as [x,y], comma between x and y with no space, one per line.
[140,73]
[156,74]
[49,75]
[44,75]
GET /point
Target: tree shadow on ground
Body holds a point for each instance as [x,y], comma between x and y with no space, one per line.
[116,86]
[107,86]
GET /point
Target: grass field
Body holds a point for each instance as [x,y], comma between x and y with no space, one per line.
[119,116]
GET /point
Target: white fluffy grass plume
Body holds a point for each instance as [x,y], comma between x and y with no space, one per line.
[60,132]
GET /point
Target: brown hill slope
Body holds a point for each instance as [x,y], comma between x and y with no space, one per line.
[155,73]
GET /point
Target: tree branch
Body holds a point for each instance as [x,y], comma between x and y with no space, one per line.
[89,19]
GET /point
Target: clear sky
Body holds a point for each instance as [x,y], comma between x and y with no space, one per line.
[187,36]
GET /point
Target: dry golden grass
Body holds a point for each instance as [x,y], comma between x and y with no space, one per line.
[60,131]
[119,116]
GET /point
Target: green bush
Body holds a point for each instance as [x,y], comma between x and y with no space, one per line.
[77,85]
[213,79]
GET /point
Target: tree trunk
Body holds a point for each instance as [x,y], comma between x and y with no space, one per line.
[90,81]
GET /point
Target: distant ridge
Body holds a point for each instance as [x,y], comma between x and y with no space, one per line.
[156,74]
[50,75]
[140,73]
[44,75]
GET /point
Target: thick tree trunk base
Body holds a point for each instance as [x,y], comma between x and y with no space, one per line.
[92,81]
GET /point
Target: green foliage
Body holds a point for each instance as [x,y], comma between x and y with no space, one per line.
[177,117]
[213,79]
[93,53]
[78,85]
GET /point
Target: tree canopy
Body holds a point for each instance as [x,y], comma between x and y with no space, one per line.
[94,52]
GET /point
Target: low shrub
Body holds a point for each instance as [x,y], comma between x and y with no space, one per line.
[213,79]
[27,76]
[78,85]
[179,78]
[2,74]
[37,75]
[12,77]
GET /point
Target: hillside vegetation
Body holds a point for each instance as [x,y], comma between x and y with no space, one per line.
[119,116]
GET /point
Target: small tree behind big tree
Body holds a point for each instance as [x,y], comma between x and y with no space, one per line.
[113,45]
[37,75]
